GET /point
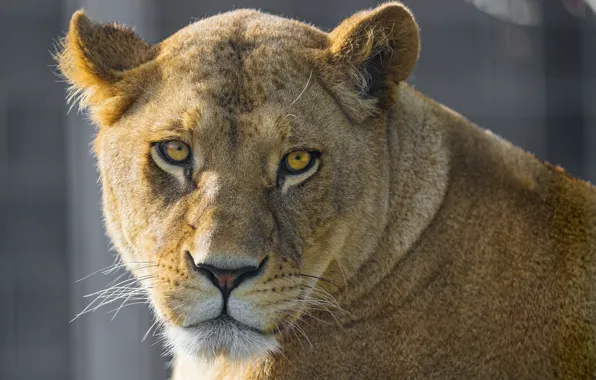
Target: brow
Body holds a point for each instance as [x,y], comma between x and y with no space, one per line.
[170,130]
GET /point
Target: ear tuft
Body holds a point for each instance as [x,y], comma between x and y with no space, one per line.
[381,46]
[95,58]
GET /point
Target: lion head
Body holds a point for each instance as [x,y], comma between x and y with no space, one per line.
[243,160]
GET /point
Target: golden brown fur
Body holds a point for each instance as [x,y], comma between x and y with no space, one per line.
[444,252]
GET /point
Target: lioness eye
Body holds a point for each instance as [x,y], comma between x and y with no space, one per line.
[173,151]
[298,161]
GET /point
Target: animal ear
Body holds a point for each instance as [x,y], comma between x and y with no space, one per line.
[99,61]
[380,47]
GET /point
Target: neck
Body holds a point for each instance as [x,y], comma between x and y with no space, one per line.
[419,160]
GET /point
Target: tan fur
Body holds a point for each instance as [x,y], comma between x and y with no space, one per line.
[443,252]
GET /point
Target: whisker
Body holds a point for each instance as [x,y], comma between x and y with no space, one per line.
[309,303]
[124,302]
[156,323]
[292,330]
[310,315]
[319,278]
[121,285]
[113,267]
[129,290]
[328,296]
[303,90]
[132,301]
[343,274]
[99,270]
[324,295]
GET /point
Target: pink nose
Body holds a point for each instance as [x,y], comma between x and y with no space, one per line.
[228,279]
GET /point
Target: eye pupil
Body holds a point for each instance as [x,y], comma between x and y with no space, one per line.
[175,152]
[298,162]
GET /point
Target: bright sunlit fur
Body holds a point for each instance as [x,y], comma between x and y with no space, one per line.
[417,247]
[221,337]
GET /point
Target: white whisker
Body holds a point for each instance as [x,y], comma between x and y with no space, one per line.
[303,90]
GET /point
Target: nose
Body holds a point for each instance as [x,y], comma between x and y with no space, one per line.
[227,280]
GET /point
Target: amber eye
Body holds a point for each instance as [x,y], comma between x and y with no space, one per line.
[298,161]
[176,152]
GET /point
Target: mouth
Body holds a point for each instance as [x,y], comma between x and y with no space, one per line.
[224,322]
[221,336]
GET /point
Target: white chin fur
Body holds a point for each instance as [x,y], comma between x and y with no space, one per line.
[220,337]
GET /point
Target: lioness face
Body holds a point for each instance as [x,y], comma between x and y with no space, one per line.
[235,177]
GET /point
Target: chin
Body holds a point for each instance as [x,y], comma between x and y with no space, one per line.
[220,337]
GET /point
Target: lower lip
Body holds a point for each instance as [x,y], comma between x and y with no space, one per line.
[224,321]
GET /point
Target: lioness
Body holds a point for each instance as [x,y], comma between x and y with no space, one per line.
[295,210]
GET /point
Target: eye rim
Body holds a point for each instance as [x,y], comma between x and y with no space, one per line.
[314,155]
[161,148]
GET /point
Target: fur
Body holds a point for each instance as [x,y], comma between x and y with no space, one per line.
[418,247]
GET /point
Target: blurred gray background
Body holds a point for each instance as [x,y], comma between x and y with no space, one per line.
[535,86]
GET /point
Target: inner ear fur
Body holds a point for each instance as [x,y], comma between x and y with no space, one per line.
[377,48]
[101,62]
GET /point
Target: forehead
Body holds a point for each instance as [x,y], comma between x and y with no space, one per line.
[240,59]
[233,34]
[241,70]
